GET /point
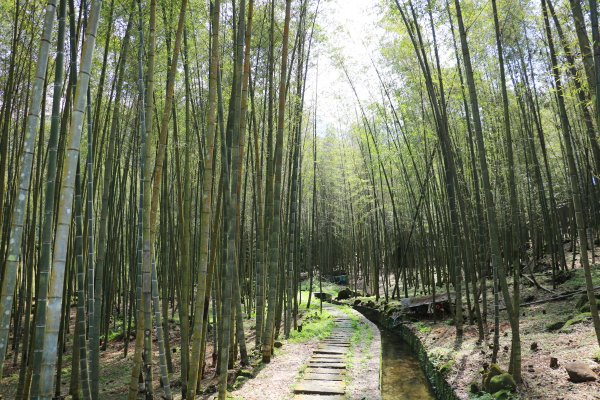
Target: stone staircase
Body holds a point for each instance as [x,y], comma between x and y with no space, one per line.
[324,377]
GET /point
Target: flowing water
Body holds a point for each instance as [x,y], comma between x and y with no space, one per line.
[402,377]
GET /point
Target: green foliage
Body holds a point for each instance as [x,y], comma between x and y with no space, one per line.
[442,359]
[421,327]
[500,395]
[314,326]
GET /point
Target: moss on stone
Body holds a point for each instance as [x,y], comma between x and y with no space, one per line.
[502,382]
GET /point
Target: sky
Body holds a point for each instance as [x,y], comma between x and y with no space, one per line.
[350,30]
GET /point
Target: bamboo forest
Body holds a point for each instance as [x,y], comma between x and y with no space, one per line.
[300,199]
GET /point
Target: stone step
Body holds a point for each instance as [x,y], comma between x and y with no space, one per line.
[315,376]
[320,387]
[331,350]
[324,370]
[326,360]
[339,356]
[320,364]
[317,397]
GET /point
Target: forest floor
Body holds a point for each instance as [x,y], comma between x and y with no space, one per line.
[255,381]
[561,329]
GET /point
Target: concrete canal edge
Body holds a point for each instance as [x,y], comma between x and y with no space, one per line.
[441,388]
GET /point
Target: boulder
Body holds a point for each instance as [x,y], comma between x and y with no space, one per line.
[323,296]
[580,372]
[345,294]
[502,382]
[492,371]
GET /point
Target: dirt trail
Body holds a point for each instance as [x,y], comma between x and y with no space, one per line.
[344,365]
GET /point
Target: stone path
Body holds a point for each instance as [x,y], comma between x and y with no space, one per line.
[324,377]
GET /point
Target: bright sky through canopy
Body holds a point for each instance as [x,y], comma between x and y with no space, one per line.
[349,31]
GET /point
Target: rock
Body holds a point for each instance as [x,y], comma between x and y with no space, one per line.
[344,294]
[553,362]
[500,382]
[580,372]
[323,296]
[492,371]
[277,344]
[534,346]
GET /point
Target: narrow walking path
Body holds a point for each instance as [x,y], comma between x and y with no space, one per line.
[343,365]
[326,370]
[335,361]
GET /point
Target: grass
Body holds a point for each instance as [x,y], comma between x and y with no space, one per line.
[577,280]
[327,287]
[314,324]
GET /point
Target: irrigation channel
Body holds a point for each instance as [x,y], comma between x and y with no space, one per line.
[401,374]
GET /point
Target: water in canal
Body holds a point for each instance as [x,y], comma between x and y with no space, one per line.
[402,377]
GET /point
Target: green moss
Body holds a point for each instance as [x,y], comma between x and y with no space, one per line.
[575,320]
[502,382]
[493,370]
